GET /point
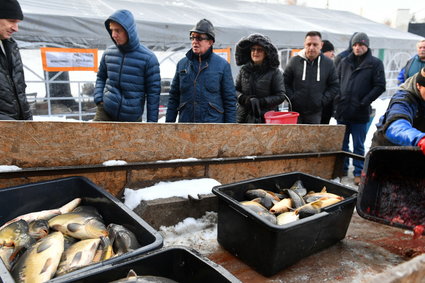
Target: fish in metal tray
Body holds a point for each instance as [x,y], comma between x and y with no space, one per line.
[46,214]
[40,261]
[81,224]
[123,240]
[78,255]
[133,277]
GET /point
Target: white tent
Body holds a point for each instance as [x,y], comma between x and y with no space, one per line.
[164,25]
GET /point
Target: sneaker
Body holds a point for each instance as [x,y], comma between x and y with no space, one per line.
[357,180]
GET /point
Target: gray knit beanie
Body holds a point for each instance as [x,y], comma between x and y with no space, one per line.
[360,37]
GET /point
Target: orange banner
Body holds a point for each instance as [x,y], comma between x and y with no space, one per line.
[224,52]
[69,59]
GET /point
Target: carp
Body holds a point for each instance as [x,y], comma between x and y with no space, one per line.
[104,250]
[299,188]
[122,239]
[282,206]
[268,199]
[313,196]
[40,261]
[46,214]
[297,200]
[134,278]
[77,256]
[79,224]
[287,217]
[315,206]
[38,229]
[16,235]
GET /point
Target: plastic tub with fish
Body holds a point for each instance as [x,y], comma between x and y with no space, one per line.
[96,213]
[267,246]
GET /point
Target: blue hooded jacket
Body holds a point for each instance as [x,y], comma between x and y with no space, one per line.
[403,123]
[128,76]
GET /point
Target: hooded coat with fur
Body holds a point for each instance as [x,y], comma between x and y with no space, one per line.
[128,76]
[404,120]
[263,82]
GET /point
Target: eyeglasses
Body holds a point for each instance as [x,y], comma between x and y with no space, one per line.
[198,38]
[259,50]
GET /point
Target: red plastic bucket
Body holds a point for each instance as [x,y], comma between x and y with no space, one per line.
[274,117]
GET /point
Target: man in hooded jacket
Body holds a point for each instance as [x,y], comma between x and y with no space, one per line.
[310,80]
[202,90]
[403,124]
[128,75]
[13,101]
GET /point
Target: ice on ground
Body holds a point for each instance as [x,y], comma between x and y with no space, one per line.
[182,188]
[199,234]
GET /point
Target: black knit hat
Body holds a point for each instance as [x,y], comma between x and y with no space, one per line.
[360,37]
[327,46]
[10,9]
[420,78]
[206,27]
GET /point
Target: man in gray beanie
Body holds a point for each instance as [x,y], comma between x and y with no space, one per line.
[13,101]
[202,90]
[362,80]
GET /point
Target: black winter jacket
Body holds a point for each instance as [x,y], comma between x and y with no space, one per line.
[359,88]
[263,82]
[13,101]
[310,85]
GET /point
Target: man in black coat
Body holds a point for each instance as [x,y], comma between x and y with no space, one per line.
[13,101]
[362,80]
[310,80]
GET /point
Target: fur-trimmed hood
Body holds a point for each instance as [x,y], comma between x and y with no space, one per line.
[243,50]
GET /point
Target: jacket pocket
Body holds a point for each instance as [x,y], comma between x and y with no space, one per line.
[215,113]
[212,83]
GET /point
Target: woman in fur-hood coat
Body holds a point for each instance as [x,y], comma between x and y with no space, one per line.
[259,84]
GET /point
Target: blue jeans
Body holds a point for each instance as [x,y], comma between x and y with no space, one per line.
[358,133]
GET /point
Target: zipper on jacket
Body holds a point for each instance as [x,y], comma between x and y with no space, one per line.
[200,69]
[119,84]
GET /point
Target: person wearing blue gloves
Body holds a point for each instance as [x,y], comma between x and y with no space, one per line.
[403,123]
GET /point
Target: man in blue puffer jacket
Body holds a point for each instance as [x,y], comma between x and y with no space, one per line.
[403,124]
[128,75]
[202,90]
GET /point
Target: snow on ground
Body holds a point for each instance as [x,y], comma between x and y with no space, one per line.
[114,162]
[183,189]
[9,168]
[199,234]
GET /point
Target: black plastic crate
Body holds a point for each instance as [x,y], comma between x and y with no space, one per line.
[19,200]
[269,248]
[393,187]
[177,263]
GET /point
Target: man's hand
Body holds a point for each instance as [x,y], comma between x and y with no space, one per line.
[421,144]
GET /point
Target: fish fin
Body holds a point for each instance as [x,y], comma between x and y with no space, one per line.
[46,265]
[323,190]
[131,274]
[76,259]
[73,227]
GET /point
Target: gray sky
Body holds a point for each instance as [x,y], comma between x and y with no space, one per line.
[376,10]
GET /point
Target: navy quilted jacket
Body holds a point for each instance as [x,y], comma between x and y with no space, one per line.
[128,76]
